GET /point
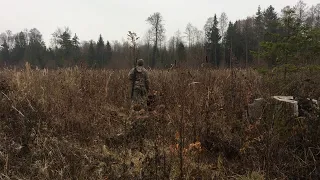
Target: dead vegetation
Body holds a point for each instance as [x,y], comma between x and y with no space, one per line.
[75,124]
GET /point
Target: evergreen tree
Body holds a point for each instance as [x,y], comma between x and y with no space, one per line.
[271,36]
[36,49]
[76,48]
[288,21]
[108,53]
[19,47]
[238,44]
[294,44]
[66,43]
[229,38]
[259,29]
[271,23]
[213,37]
[5,55]
[100,52]
[249,39]
[91,55]
[181,52]
[63,47]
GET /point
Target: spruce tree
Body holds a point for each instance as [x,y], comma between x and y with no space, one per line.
[76,48]
[259,28]
[91,55]
[108,53]
[181,51]
[4,53]
[19,47]
[213,37]
[271,23]
[100,56]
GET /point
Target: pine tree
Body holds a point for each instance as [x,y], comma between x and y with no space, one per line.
[288,21]
[66,43]
[75,41]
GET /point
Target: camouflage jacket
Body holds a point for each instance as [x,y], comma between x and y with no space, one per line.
[141,78]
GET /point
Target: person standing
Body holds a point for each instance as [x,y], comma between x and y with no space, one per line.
[140,85]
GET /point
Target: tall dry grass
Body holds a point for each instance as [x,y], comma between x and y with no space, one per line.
[76,124]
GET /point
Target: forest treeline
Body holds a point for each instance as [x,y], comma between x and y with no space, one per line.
[268,38]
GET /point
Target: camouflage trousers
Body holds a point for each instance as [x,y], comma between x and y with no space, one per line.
[139,99]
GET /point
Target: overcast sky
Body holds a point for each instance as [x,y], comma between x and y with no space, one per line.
[114,18]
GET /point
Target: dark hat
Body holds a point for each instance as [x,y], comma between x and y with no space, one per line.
[140,62]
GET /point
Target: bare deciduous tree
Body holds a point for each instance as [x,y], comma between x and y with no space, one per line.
[158,30]
[199,36]
[300,10]
[132,38]
[311,16]
[223,24]
[7,37]
[190,33]
[317,15]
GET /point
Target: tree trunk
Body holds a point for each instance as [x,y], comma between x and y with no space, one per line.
[154,56]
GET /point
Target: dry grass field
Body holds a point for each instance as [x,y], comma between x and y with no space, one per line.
[76,124]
